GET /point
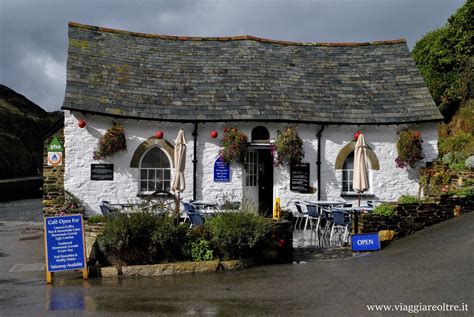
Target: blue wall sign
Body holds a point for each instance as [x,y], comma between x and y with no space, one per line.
[365,242]
[64,243]
[221,171]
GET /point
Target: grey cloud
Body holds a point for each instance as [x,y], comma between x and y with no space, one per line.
[33,33]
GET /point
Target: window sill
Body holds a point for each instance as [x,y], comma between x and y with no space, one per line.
[354,194]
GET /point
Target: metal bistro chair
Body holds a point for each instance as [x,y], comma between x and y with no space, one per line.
[194,216]
[313,215]
[300,216]
[341,220]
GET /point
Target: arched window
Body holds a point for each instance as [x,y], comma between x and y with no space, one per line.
[260,134]
[348,174]
[155,171]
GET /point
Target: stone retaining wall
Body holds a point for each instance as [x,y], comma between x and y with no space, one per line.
[53,180]
[410,218]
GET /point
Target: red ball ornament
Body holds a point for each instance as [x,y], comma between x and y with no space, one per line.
[81,124]
[281,243]
[159,134]
[214,134]
[356,135]
[225,130]
[417,134]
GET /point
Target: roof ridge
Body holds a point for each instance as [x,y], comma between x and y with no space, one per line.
[231,38]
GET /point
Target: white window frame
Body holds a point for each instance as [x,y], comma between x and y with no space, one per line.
[350,171]
[156,170]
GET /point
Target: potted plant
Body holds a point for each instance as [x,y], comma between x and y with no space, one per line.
[288,147]
[111,142]
[234,145]
[409,148]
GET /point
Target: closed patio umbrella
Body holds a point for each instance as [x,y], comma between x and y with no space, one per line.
[179,184]
[360,181]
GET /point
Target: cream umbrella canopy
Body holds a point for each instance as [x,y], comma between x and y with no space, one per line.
[179,184]
[360,181]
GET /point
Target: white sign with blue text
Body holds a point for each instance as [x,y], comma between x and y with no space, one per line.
[64,238]
[365,242]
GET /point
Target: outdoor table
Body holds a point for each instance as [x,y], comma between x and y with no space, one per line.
[205,207]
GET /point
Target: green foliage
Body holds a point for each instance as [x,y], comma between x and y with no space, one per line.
[234,146]
[168,239]
[127,239]
[466,189]
[384,209]
[199,250]
[435,180]
[239,235]
[141,238]
[111,142]
[96,219]
[455,160]
[409,148]
[444,55]
[408,199]
[288,147]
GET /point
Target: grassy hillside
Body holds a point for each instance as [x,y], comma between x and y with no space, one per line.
[22,124]
[445,58]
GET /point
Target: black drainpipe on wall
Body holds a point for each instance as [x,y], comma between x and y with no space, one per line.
[318,162]
[195,135]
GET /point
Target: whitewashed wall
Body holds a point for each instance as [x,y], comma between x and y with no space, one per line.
[387,184]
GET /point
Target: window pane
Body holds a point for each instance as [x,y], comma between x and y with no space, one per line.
[349,162]
[143,174]
[167,174]
[159,174]
[151,186]
[167,186]
[155,158]
[151,174]
[143,186]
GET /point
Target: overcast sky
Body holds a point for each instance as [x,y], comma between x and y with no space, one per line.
[33,33]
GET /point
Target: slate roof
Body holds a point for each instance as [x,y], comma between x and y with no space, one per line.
[185,79]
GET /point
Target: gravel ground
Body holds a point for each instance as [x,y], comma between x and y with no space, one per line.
[22,210]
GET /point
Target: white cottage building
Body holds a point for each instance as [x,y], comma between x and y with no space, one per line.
[328,91]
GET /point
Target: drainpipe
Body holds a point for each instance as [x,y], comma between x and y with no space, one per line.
[318,162]
[195,135]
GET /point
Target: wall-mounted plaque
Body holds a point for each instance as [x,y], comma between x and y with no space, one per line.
[221,171]
[299,178]
[102,172]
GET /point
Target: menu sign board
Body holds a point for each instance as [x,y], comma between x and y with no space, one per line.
[64,243]
[299,178]
[102,172]
[221,171]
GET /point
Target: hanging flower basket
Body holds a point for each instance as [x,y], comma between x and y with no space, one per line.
[409,149]
[111,142]
[288,147]
[234,145]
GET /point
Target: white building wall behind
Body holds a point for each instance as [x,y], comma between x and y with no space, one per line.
[387,184]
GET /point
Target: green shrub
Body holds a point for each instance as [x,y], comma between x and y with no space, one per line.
[199,250]
[95,219]
[408,199]
[168,239]
[239,235]
[127,239]
[384,209]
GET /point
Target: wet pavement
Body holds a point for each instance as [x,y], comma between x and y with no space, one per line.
[434,266]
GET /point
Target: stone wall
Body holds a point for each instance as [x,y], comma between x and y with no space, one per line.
[410,218]
[53,179]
